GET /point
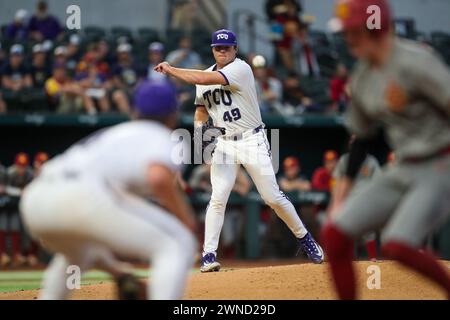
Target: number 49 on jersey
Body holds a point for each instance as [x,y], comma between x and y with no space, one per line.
[232,115]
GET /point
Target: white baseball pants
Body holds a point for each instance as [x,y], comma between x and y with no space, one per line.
[87,222]
[253,152]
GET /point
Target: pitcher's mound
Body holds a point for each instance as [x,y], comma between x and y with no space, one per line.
[302,281]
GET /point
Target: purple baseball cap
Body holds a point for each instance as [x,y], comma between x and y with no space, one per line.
[223,37]
[155,98]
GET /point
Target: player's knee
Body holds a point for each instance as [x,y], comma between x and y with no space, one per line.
[218,205]
[189,243]
[336,243]
[185,243]
[274,201]
[392,249]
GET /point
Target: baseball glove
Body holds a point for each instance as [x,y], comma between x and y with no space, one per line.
[205,135]
[131,288]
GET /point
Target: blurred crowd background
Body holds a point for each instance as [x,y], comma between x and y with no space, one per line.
[300,71]
[47,68]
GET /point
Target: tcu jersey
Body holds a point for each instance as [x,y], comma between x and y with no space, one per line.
[235,105]
[119,155]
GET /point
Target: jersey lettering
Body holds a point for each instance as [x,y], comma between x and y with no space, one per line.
[218,96]
[228,100]
[206,96]
[234,116]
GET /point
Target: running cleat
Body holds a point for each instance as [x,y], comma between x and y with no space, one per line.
[209,263]
[312,249]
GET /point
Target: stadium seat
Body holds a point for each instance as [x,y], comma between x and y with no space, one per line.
[29,100]
[36,101]
[173,36]
[94,32]
[200,38]
[3,30]
[327,60]
[120,31]
[317,90]
[148,34]
[439,36]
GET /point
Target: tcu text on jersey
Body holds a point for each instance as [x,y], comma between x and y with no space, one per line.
[218,95]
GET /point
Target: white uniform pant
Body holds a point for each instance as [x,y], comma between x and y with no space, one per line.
[254,153]
[86,222]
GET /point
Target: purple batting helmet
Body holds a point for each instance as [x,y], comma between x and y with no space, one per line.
[223,37]
[155,98]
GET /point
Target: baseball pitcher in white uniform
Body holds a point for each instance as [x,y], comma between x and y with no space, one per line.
[89,205]
[226,92]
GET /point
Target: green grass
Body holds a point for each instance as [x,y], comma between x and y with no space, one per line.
[11,281]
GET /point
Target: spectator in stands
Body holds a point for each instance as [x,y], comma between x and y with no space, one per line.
[183,184]
[4,257]
[2,179]
[18,29]
[96,86]
[65,95]
[39,70]
[16,77]
[73,54]
[155,56]
[2,56]
[284,19]
[302,50]
[126,75]
[95,54]
[269,89]
[39,159]
[322,177]
[338,88]
[18,176]
[293,94]
[292,179]
[278,13]
[277,8]
[200,180]
[184,56]
[44,26]
[104,53]
[3,107]
[60,55]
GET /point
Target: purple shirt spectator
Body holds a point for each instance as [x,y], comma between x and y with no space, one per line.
[99,78]
[49,27]
[16,32]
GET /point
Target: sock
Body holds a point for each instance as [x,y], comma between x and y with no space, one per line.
[339,249]
[15,241]
[421,261]
[371,248]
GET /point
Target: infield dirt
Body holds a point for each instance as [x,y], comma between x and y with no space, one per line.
[300,281]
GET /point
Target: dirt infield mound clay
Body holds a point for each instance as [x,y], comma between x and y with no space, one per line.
[301,281]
